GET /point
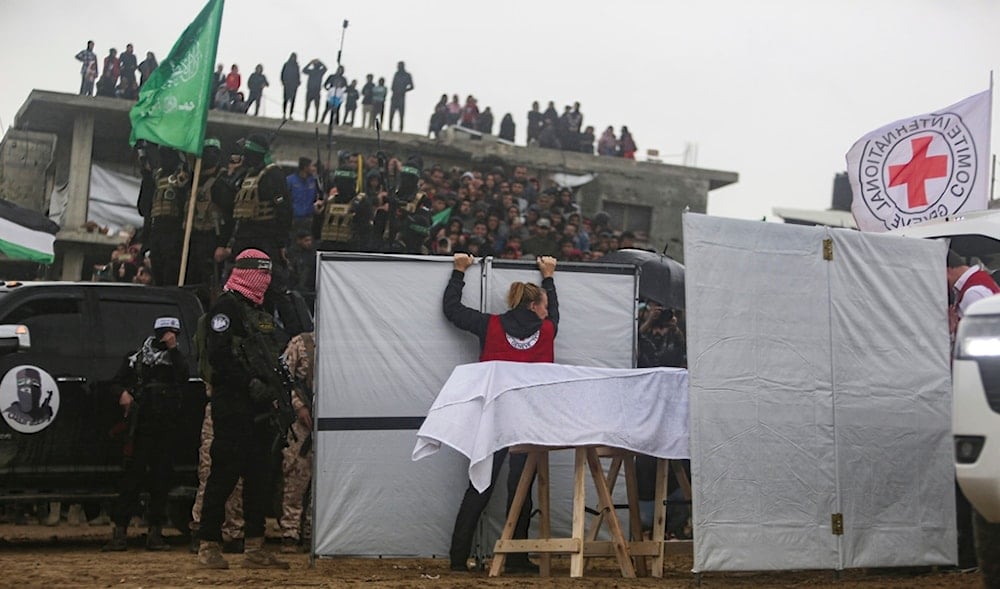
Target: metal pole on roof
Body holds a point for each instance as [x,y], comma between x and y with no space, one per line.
[341,50]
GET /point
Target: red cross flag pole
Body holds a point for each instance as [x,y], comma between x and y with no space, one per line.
[923,167]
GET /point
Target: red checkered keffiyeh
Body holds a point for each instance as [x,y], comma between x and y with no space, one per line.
[251,275]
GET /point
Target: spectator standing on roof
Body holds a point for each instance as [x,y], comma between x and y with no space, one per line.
[351,102]
[439,117]
[550,113]
[88,69]
[626,145]
[402,82]
[366,101]
[314,71]
[336,85]
[233,81]
[507,128]
[535,123]
[291,79]
[454,110]
[146,67]
[379,93]
[484,124]
[608,143]
[256,84]
[470,113]
[127,65]
[109,76]
[587,141]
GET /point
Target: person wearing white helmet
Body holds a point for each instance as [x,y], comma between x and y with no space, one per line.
[152,380]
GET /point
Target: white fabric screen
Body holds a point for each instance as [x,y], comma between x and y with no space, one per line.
[817,387]
[112,203]
[384,350]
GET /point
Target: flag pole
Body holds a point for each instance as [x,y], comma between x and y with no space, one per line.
[993,175]
[189,222]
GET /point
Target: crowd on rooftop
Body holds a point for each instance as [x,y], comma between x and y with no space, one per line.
[547,129]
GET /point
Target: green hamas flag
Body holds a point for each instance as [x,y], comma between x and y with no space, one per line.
[441,217]
[173,103]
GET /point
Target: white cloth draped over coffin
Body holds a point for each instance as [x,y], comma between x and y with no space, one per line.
[487,406]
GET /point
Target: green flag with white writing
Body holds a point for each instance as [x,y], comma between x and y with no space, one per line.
[173,103]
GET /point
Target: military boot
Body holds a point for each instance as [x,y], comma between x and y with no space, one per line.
[119,540]
[55,509]
[75,516]
[154,539]
[256,557]
[210,556]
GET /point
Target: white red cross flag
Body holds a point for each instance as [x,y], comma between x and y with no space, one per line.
[923,167]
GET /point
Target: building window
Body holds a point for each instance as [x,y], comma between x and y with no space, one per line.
[635,218]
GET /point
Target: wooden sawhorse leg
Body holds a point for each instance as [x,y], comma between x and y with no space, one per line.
[659,515]
[576,560]
[621,458]
[635,521]
[607,506]
[545,522]
[523,485]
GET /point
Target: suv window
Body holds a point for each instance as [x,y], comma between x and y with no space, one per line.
[55,324]
[126,323]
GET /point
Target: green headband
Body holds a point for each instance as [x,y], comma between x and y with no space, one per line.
[254,147]
[210,142]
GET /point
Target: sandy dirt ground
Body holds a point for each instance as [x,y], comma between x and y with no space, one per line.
[65,556]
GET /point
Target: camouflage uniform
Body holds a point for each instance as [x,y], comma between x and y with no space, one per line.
[232,529]
[297,469]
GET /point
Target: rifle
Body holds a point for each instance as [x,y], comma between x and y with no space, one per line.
[126,427]
[320,169]
[390,221]
[270,369]
[382,161]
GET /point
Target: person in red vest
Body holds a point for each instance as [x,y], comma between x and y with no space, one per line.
[525,333]
[968,284]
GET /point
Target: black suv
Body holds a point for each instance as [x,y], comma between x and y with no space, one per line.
[61,432]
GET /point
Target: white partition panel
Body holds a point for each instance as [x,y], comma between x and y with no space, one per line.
[819,394]
[384,349]
[762,453]
[892,383]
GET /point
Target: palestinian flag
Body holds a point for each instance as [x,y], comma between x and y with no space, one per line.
[25,234]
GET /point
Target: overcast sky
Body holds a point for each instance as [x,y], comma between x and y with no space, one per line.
[776,90]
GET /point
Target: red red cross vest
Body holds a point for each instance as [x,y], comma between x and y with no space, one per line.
[978,278]
[535,348]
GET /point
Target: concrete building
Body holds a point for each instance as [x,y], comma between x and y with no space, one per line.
[57,137]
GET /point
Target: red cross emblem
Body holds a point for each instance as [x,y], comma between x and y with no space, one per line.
[918,170]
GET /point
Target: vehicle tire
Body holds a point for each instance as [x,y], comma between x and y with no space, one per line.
[988,550]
